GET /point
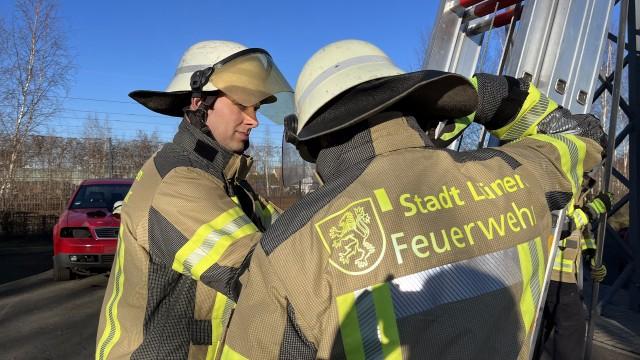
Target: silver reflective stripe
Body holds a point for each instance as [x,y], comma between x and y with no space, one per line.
[528,119]
[341,66]
[416,293]
[191,68]
[211,240]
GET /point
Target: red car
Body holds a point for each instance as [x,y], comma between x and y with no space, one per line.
[86,233]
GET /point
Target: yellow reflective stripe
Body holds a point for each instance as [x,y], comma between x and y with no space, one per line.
[581,148]
[217,324]
[527,303]
[112,331]
[387,326]
[564,266]
[383,199]
[219,248]
[139,175]
[229,354]
[198,238]
[580,218]
[235,200]
[598,206]
[349,326]
[565,157]
[273,212]
[535,108]
[541,260]
[268,214]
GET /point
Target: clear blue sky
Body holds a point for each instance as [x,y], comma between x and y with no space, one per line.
[119,46]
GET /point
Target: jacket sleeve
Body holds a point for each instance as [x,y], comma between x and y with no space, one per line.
[557,145]
[197,230]
[272,332]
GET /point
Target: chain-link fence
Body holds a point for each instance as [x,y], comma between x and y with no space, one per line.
[38,182]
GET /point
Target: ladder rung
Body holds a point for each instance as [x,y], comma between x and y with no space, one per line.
[500,20]
[487,8]
[466,3]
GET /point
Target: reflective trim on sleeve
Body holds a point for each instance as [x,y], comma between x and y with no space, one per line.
[580,219]
[229,354]
[112,332]
[572,152]
[210,241]
[598,206]
[535,108]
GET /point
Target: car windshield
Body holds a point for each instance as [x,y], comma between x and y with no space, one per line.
[99,196]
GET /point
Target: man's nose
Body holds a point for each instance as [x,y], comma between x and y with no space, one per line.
[252,119]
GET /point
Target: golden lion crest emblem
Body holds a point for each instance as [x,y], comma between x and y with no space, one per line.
[356,237]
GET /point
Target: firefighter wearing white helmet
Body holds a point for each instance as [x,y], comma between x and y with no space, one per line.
[191,218]
[406,250]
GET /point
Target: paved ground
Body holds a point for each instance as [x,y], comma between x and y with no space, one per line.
[618,330]
[43,319]
[18,263]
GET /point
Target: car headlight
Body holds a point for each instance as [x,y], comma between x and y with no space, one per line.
[75,232]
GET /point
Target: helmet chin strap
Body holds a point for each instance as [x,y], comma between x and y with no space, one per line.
[198,117]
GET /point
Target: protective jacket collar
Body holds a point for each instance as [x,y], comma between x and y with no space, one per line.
[209,156]
[380,134]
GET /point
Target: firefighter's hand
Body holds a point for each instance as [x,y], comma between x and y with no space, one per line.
[601,203]
[580,218]
[598,273]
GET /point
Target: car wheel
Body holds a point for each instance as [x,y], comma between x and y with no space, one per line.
[61,273]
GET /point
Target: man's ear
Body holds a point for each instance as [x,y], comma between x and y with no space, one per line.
[195,102]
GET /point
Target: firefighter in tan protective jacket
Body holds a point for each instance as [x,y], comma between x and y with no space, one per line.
[190,218]
[407,251]
[564,316]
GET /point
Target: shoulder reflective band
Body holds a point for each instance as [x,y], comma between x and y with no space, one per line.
[535,108]
[572,152]
[365,336]
[219,319]
[210,241]
[532,262]
[229,354]
[111,333]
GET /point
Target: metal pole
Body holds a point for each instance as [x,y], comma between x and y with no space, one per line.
[634,136]
[624,11]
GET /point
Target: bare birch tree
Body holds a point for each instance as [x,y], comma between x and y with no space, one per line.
[35,67]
